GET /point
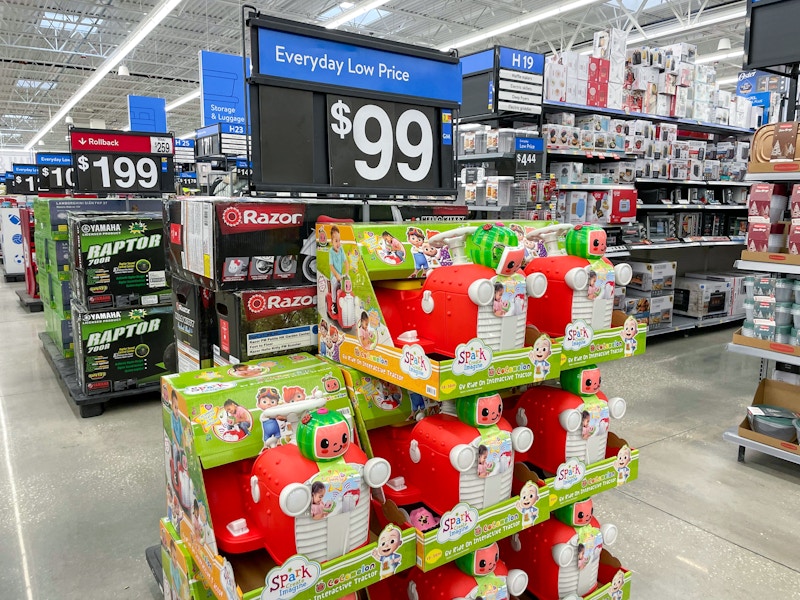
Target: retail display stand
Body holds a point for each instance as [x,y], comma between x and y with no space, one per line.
[770,162]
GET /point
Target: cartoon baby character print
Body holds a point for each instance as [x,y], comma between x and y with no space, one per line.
[416,238]
[528,496]
[540,355]
[629,330]
[615,591]
[622,464]
[268,397]
[386,552]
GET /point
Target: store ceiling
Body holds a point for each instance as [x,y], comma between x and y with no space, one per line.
[50,47]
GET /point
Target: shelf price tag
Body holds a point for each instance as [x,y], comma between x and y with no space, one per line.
[127,163]
[56,173]
[243,168]
[25,180]
[529,154]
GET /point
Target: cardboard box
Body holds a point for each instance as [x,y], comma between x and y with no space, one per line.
[555,81]
[660,306]
[758,203]
[118,260]
[776,393]
[738,292]
[597,93]
[793,239]
[701,298]
[51,213]
[595,123]
[577,210]
[567,172]
[762,344]
[758,237]
[120,349]
[655,276]
[179,573]
[794,200]
[598,70]
[259,323]
[194,324]
[206,447]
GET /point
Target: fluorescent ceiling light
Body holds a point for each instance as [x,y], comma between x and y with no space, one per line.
[717,56]
[728,80]
[346,5]
[518,23]
[704,20]
[183,100]
[348,16]
[158,14]
[189,135]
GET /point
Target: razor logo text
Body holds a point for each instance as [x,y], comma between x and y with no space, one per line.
[253,217]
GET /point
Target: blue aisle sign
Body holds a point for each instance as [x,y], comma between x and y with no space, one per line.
[309,59]
[519,60]
[475,63]
[55,160]
[222,89]
[179,143]
[147,114]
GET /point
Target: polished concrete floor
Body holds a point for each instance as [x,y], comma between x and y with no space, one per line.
[80,498]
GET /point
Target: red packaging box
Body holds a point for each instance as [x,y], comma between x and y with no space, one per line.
[758,237]
[760,198]
[795,202]
[598,70]
[597,93]
[623,206]
[793,241]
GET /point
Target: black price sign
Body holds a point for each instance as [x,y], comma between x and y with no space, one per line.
[134,163]
[340,113]
[529,153]
[382,144]
[243,169]
[25,180]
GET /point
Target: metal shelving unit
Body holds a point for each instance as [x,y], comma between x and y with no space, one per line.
[757,177]
[693,182]
[602,186]
[485,157]
[731,435]
[681,323]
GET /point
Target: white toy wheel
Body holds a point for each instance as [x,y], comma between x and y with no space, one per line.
[443,239]
[617,407]
[521,439]
[563,554]
[622,274]
[462,457]
[609,531]
[570,420]
[255,491]
[295,499]
[516,582]
[577,278]
[536,285]
[481,292]
[377,472]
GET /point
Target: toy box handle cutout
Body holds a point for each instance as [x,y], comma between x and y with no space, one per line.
[549,236]
[454,240]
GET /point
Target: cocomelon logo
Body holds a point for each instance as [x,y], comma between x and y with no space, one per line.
[415,363]
[296,575]
[577,335]
[455,523]
[569,474]
[472,358]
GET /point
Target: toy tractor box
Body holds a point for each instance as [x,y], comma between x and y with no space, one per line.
[452,472]
[438,309]
[258,323]
[238,244]
[179,576]
[269,484]
[120,349]
[195,328]
[118,260]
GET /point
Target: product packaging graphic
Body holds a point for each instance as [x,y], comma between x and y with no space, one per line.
[258,323]
[237,435]
[120,349]
[439,310]
[195,325]
[179,573]
[51,213]
[118,260]
[240,245]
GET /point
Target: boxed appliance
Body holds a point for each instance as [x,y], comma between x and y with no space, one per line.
[702,298]
[615,206]
[254,324]
[119,349]
[567,172]
[653,276]
[194,324]
[660,307]
[773,393]
[638,308]
[576,206]
[118,260]
[738,292]
[230,244]
[51,213]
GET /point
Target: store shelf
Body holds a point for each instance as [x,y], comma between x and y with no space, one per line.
[692,182]
[724,207]
[732,435]
[485,157]
[669,206]
[678,324]
[763,354]
[474,208]
[618,254]
[602,186]
[768,267]
[756,177]
[664,246]
[690,124]
[602,155]
[710,322]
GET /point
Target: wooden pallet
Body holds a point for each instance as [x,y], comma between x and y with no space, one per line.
[88,405]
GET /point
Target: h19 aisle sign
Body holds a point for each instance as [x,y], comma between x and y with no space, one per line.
[341,113]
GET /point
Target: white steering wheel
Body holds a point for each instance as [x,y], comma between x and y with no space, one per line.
[542,233]
[445,238]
